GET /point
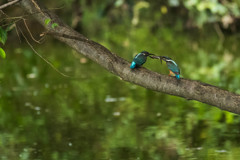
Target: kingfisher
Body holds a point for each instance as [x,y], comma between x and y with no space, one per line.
[172,66]
[140,59]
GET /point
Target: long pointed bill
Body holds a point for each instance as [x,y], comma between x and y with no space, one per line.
[154,57]
[162,58]
[150,55]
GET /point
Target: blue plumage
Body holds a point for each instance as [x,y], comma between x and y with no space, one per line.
[177,76]
[172,66]
[139,59]
[133,65]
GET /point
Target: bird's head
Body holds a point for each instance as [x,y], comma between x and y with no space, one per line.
[145,53]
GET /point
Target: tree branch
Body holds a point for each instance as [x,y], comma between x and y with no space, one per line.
[189,89]
[8,4]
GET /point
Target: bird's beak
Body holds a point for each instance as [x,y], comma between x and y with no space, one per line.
[162,58]
[150,54]
[153,56]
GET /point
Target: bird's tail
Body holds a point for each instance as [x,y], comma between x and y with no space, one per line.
[178,76]
[133,65]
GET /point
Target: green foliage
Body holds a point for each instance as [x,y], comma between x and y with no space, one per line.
[95,115]
[54,25]
[135,122]
[205,11]
[3,39]
[2,53]
[47,21]
[3,35]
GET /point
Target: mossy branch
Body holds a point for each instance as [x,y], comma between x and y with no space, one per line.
[189,89]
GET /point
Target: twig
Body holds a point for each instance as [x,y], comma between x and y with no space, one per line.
[8,4]
[4,13]
[42,56]
[38,8]
[219,32]
[25,15]
[17,33]
[37,41]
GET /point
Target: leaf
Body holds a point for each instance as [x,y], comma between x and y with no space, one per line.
[2,53]
[54,25]
[3,35]
[47,21]
[10,27]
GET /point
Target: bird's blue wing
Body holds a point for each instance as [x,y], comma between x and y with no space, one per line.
[173,67]
[140,59]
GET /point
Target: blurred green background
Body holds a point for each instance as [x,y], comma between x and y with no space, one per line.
[96,115]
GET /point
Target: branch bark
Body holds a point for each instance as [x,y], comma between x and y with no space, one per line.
[189,89]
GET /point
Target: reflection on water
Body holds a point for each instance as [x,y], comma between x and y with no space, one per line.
[95,115]
[111,99]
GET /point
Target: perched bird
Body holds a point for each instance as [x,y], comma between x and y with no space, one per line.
[172,66]
[140,59]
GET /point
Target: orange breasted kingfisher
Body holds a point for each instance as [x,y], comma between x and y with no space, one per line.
[172,66]
[140,59]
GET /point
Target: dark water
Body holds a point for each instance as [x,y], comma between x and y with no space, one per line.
[96,115]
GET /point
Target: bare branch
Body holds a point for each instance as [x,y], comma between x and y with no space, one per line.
[49,63]
[189,89]
[17,33]
[37,41]
[8,4]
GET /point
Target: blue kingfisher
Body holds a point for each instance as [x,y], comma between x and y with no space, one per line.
[140,59]
[172,66]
